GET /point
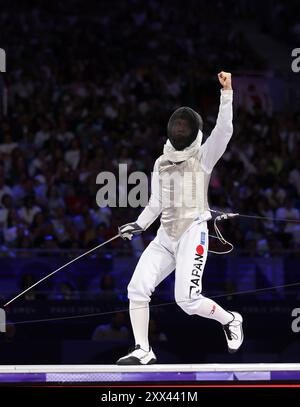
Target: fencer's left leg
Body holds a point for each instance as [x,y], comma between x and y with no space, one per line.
[191,256]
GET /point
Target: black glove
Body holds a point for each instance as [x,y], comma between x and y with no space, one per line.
[129,230]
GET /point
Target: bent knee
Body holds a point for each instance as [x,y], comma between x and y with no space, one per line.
[139,291]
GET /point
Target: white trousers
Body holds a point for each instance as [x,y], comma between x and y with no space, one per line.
[160,259]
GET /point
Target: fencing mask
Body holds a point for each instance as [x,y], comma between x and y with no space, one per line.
[183,127]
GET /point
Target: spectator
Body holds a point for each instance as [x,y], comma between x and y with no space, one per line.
[4,188]
[288,211]
[66,292]
[6,206]
[115,330]
[28,211]
[107,288]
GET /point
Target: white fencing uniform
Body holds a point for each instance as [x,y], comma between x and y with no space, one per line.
[182,239]
[159,260]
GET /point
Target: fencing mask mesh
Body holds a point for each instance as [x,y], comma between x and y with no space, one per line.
[183,127]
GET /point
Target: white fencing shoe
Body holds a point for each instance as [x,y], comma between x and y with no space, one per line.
[138,356]
[234,332]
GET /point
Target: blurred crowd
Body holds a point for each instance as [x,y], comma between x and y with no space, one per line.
[278,18]
[88,90]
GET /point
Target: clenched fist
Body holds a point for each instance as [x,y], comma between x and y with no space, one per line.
[225,80]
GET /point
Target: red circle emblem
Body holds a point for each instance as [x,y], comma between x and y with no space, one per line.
[200,249]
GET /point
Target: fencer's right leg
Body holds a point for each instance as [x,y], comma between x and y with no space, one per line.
[139,317]
[155,264]
[141,353]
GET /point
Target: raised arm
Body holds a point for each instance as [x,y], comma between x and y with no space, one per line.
[215,146]
[149,214]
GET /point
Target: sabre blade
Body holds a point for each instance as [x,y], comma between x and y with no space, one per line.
[60,268]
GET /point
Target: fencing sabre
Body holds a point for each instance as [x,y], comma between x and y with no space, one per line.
[2,311]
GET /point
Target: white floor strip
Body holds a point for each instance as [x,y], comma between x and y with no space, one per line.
[235,367]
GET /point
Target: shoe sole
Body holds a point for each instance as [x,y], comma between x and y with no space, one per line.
[135,362]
